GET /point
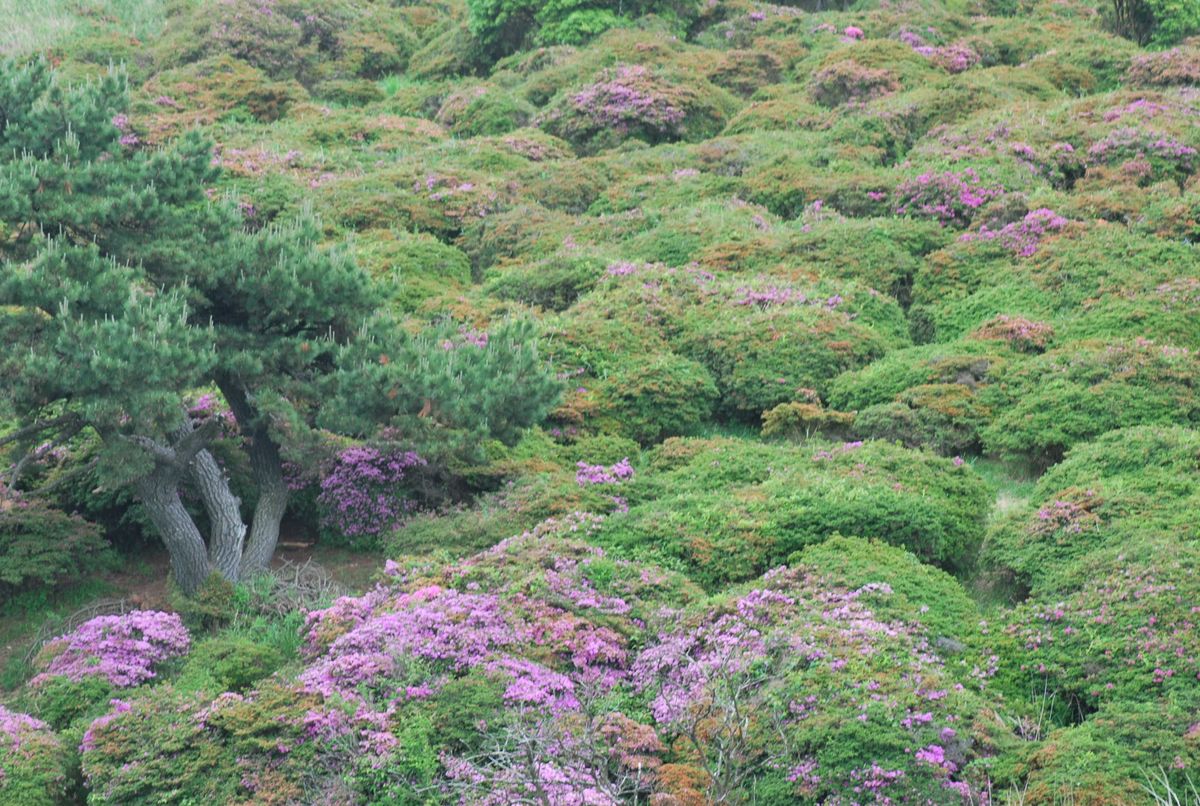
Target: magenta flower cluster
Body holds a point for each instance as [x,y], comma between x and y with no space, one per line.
[949,197]
[122,649]
[15,727]
[1021,237]
[586,474]
[626,98]
[363,494]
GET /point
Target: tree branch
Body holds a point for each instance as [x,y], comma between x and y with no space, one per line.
[39,426]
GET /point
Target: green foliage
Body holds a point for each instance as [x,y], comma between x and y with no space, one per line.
[158,746]
[919,593]
[1076,392]
[1159,22]
[1106,494]
[41,546]
[62,702]
[658,397]
[440,389]
[1115,756]
[504,26]
[234,663]
[728,510]
[211,605]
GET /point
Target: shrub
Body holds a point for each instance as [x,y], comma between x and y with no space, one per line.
[33,761]
[872,710]
[235,749]
[124,650]
[553,284]
[1122,754]
[1124,634]
[62,702]
[950,198]
[1178,66]
[920,594]
[41,546]
[970,364]
[482,109]
[1107,493]
[657,397]
[364,494]
[638,102]
[729,510]
[847,81]
[504,26]
[943,417]
[799,421]
[1076,392]
[235,663]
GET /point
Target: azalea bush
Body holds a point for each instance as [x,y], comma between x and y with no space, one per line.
[1107,493]
[364,494]
[33,760]
[125,650]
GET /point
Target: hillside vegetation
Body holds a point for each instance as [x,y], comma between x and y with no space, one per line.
[739,403]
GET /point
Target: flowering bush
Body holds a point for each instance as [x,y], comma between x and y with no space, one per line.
[636,101]
[364,495]
[1021,237]
[123,649]
[33,761]
[830,674]
[1017,332]
[260,748]
[1107,493]
[949,197]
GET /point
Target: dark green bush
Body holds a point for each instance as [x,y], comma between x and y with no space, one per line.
[235,663]
[44,547]
[660,396]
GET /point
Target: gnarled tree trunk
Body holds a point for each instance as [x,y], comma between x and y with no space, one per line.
[232,550]
[266,465]
[158,492]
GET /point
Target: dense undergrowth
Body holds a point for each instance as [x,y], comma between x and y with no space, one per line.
[875,472]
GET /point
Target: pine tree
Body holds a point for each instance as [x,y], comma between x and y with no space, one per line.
[124,288]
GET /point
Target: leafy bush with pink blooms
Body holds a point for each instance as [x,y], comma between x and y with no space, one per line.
[364,494]
[33,761]
[125,650]
[639,102]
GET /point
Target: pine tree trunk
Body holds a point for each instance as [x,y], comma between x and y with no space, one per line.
[267,466]
[228,532]
[159,494]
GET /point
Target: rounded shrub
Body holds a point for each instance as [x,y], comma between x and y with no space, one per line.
[652,398]
[33,760]
[1075,392]
[44,547]
[1107,493]
[637,102]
